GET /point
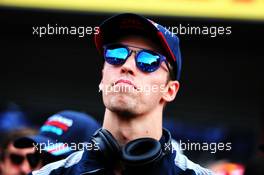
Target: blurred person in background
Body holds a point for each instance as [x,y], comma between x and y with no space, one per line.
[15,161]
[12,118]
[61,134]
[14,124]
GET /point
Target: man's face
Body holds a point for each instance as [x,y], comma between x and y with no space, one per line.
[128,90]
[8,167]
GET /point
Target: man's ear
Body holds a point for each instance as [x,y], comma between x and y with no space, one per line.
[171,90]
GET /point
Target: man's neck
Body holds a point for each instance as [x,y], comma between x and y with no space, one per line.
[125,129]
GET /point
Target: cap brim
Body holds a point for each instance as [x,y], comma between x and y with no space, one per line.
[43,144]
[30,141]
[119,25]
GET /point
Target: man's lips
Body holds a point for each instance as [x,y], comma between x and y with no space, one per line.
[125,82]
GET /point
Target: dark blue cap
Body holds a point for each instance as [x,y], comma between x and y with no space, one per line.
[61,132]
[129,23]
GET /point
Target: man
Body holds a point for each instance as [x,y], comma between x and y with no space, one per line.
[139,77]
[15,161]
[14,124]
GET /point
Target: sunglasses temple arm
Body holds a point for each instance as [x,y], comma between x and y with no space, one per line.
[168,66]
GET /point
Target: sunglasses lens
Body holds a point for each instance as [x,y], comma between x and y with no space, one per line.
[148,61]
[116,55]
[33,159]
[16,159]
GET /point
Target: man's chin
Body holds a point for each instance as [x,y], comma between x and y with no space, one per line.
[122,101]
[123,104]
[124,113]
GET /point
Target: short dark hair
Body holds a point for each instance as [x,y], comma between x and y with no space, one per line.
[171,75]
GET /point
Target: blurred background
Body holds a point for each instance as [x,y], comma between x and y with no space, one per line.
[221,93]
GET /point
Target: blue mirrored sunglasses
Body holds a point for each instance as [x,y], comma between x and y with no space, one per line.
[146,60]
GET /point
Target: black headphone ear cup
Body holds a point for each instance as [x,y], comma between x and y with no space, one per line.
[108,146]
[141,151]
[111,142]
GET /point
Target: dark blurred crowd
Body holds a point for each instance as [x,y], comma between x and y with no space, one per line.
[24,147]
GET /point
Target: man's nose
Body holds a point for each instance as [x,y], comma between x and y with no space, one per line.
[129,67]
[25,167]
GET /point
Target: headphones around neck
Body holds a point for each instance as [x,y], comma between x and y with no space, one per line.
[137,152]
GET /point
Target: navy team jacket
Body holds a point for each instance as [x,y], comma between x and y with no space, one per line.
[80,163]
